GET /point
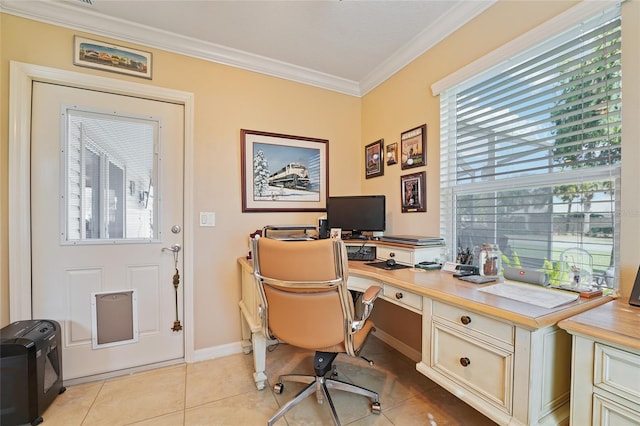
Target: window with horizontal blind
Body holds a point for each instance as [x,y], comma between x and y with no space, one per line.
[531,153]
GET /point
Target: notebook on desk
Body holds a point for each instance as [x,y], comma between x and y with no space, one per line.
[414,240]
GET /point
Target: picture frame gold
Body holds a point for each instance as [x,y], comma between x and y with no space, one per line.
[413,192]
[374,163]
[283,173]
[413,147]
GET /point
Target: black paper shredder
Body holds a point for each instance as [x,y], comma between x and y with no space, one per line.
[30,370]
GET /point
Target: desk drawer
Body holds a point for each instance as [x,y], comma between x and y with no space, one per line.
[403,297]
[483,369]
[474,321]
[403,256]
[611,413]
[617,371]
[361,284]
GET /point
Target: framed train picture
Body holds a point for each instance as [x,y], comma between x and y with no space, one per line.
[283,172]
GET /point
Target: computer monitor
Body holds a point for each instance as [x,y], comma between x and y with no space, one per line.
[357,213]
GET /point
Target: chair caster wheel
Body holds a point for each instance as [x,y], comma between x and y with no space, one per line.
[278,388]
[376,408]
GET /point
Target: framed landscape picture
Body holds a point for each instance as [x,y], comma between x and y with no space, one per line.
[283,172]
[110,57]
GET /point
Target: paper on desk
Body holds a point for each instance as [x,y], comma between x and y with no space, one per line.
[534,295]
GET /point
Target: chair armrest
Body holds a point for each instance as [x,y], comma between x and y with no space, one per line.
[369,296]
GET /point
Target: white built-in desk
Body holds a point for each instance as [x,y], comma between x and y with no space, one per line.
[606,365]
[507,359]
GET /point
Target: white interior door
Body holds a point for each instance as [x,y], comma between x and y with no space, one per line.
[106,205]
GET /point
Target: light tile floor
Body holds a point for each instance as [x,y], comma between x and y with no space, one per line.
[222,392]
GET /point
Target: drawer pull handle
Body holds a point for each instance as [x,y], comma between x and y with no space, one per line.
[399,295]
[392,254]
[465,319]
[465,361]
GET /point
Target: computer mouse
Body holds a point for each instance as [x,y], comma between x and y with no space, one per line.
[391,262]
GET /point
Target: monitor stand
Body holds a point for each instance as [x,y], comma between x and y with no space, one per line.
[357,235]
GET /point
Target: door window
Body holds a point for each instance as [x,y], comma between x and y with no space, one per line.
[111,171]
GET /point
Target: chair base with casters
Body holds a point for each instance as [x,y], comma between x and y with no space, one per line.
[319,384]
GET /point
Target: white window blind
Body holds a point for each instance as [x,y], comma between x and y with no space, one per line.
[531,152]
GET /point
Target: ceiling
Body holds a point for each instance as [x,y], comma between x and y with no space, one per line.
[345,46]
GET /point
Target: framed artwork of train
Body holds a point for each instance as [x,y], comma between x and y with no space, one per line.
[283,172]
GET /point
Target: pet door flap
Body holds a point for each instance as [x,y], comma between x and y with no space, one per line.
[114,319]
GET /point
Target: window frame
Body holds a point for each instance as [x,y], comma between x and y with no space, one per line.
[528,46]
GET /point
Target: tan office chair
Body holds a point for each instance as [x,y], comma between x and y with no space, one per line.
[305,303]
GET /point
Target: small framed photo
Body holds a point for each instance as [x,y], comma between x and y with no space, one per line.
[392,154]
[413,147]
[336,233]
[109,57]
[414,193]
[374,165]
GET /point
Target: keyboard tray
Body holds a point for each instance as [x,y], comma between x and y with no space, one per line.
[366,256]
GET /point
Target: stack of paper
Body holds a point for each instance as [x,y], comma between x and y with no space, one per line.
[532,294]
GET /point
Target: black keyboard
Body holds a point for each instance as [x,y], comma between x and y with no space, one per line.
[366,256]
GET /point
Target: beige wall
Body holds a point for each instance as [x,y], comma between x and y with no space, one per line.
[228,99]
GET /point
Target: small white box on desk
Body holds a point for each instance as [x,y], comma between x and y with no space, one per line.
[411,255]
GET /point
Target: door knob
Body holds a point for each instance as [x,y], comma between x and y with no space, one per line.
[174,248]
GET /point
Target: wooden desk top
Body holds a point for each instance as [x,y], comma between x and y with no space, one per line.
[446,288]
[616,322]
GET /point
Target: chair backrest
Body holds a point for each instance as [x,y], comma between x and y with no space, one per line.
[303,286]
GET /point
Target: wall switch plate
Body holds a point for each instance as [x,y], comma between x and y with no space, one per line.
[207,219]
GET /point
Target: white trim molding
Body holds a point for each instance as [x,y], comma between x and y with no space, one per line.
[583,10]
[424,41]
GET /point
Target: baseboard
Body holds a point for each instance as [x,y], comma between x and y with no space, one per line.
[217,351]
[398,345]
[236,348]
[199,355]
[123,372]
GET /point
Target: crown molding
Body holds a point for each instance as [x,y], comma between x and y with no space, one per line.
[572,16]
[86,20]
[429,37]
